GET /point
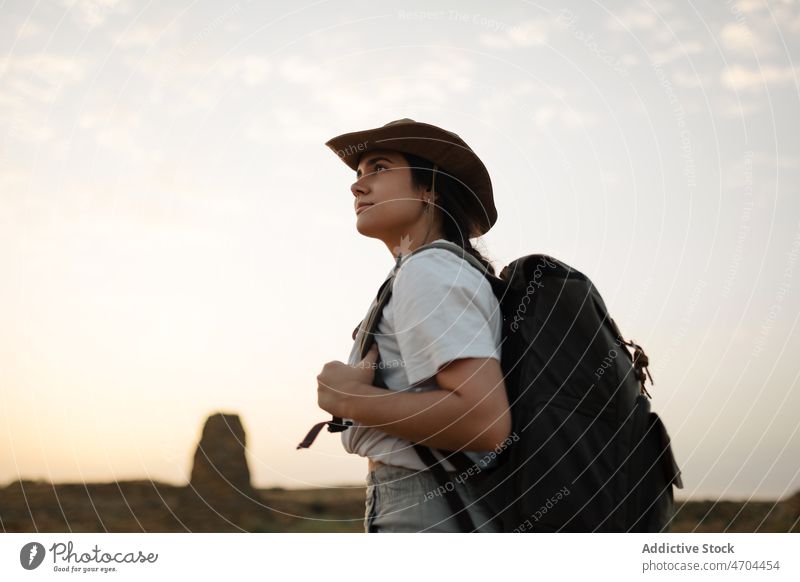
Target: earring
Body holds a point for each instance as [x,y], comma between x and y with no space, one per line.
[433,186]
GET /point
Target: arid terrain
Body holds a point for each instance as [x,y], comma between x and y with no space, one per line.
[219,498]
[143,506]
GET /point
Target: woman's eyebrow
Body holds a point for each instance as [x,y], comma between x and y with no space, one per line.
[371,162]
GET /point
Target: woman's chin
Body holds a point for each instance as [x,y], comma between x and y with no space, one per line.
[365,226]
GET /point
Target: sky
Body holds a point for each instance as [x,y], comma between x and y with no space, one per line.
[176,240]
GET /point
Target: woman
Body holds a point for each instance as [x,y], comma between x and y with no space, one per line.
[439,336]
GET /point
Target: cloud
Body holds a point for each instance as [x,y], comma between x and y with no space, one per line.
[633,18]
[739,77]
[743,39]
[749,6]
[284,124]
[794,23]
[690,80]
[13,178]
[48,69]
[93,13]
[658,25]
[28,29]
[737,37]
[513,98]
[305,71]
[139,36]
[30,82]
[566,117]
[452,72]
[532,32]
[353,96]
[629,59]
[174,71]
[113,125]
[676,51]
[737,109]
[253,70]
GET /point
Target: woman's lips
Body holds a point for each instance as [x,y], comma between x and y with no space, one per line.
[362,207]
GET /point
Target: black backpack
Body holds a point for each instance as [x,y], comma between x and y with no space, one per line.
[585,453]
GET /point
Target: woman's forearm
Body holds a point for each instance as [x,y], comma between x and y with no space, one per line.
[437,418]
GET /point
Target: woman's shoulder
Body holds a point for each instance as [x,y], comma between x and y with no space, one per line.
[433,267]
[433,260]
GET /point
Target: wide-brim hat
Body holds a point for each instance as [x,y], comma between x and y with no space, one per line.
[442,147]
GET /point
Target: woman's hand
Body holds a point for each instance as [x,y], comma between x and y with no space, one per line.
[338,383]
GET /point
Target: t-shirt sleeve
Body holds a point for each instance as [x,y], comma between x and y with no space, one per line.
[443,310]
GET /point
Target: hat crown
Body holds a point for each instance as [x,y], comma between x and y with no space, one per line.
[409,121]
[396,121]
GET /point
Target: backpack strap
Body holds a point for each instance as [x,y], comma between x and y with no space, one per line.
[454,248]
[337,424]
[452,497]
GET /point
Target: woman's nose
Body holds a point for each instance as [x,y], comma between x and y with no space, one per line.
[357,188]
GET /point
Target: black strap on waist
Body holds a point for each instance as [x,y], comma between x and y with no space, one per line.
[452,497]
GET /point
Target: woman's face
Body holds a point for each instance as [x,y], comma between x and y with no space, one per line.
[383,182]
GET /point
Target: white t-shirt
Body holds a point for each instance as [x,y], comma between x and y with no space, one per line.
[441,309]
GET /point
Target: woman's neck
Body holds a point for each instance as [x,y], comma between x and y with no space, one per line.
[411,241]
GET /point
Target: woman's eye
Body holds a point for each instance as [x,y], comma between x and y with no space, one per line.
[379,166]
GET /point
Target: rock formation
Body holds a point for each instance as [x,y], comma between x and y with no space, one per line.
[220,472]
[220,491]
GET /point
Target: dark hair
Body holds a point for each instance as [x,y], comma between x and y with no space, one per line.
[454,201]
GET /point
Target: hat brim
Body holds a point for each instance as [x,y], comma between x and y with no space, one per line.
[432,143]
